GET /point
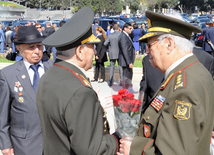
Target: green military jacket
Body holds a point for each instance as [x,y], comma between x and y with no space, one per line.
[179,118]
[71,114]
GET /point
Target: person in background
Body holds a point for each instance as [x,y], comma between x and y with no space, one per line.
[109,27]
[209,39]
[112,44]
[137,34]
[29,23]
[101,56]
[47,32]
[72,118]
[20,127]
[2,38]
[126,55]
[94,26]
[7,38]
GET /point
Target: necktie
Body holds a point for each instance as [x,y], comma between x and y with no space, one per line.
[36,76]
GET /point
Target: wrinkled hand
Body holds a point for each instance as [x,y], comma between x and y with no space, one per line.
[124,147]
[131,65]
[7,151]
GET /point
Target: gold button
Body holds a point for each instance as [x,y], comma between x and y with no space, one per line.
[148,118]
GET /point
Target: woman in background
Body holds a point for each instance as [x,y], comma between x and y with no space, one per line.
[100,57]
[137,34]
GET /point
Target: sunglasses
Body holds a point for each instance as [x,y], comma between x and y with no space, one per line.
[38,27]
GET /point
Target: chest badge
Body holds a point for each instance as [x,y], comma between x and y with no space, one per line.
[182,110]
[157,102]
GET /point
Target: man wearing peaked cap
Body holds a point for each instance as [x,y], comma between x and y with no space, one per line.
[73,121]
[20,127]
[179,118]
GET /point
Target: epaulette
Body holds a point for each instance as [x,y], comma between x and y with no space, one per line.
[79,76]
[166,82]
[180,80]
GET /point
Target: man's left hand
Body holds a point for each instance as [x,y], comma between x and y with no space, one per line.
[124,147]
[130,65]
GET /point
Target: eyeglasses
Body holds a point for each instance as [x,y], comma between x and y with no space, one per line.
[149,45]
[38,27]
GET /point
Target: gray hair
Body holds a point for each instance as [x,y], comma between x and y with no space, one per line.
[183,45]
[68,53]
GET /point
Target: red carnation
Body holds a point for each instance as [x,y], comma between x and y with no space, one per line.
[116,99]
[124,105]
[135,105]
[128,96]
[123,91]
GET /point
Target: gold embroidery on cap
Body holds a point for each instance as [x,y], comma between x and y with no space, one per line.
[91,39]
[159,29]
[147,35]
[149,23]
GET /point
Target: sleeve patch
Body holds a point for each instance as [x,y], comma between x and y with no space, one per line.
[182,110]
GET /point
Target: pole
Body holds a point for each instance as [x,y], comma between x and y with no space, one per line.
[70,4]
[40,4]
[63,6]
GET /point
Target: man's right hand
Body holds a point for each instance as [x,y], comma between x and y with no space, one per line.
[7,151]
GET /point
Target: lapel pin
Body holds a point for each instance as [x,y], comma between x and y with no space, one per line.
[23,76]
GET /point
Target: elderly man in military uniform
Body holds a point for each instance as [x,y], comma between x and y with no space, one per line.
[73,120]
[179,118]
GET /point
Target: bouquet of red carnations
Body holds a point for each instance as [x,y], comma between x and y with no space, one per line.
[127,111]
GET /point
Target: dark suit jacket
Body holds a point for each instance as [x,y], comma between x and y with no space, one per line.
[112,43]
[19,120]
[71,115]
[101,50]
[127,50]
[152,77]
[209,35]
[48,31]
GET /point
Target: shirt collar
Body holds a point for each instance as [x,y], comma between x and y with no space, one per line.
[81,69]
[27,64]
[175,64]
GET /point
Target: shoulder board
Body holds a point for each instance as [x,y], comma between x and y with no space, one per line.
[166,82]
[180,80]
[79,76]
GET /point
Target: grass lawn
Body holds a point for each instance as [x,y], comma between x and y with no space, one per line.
[2,3]
[137,63]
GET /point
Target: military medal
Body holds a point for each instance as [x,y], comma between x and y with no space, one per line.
[15,89]
[157,102]
[20,88]
[17,84]
[21,99]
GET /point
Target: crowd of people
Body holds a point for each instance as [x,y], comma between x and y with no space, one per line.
[121,48]
[50,108]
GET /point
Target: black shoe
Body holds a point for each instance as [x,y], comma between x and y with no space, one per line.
[110,84]
[93,80]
